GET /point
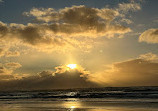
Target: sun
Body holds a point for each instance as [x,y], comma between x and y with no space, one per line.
[72,107]
[72,66]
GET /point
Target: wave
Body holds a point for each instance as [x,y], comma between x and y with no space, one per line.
[102,93]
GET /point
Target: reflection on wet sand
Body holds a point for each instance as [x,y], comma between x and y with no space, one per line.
[122,109]
[74,105]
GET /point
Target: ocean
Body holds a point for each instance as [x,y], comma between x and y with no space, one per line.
[88,99]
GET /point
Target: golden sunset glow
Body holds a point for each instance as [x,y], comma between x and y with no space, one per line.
[78,55]
[72,66]
[72,107]
[78,44]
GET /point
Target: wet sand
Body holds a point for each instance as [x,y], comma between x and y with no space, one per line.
[75,105]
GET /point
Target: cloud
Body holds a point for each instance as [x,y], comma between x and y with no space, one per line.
[30,35]
[3,29]
[70,21]
[4,71]
[33,34]
[7,71]
[5,74]
[62,78]
[80,20]
[6,77]
[126,21]
[74,15]
[1,1]
[37,36]
[12,54]
[65,68]
[142,71]
[149,57]
[126,7]
[60,28]
[63,27]
[156,20]
[45,73]
[135,72]
[2,51]
[13,65]
[43,14]
[149,36]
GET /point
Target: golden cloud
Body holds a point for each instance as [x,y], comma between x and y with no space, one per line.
[135,72]
[2,51]
[5,74]
[4,71]
[7,71]
[5,52]
[80,20]
[13,65]
[132,6]
[149,57]
[62,78]
[141,71]
[149,36]
[12,54]
[58,28]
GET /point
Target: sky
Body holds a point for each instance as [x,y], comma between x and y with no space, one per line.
[56,44]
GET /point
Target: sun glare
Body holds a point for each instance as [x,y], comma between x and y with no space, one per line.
[72,66]
[72,107]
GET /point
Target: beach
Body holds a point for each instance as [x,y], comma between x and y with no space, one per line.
[103,99]
[76,105]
